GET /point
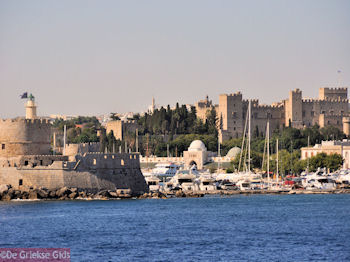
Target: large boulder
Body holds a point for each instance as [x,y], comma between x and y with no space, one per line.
[62,192]
[73,195]
[6,197]
[4,188]
[17,194]
[25,195]
[11,193]
[32,195]
[103,193]
[82,194]
[179,193]
[113,194]
[52,194]
[42,194]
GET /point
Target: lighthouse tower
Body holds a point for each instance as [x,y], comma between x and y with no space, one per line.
[31,108]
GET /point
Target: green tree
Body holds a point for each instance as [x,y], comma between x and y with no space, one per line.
[334,162]
[212,122]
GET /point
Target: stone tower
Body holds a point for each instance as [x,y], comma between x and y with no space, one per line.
[231,114]
[31,108]
[346,125]
[293,109]
[333,93]
[29,136]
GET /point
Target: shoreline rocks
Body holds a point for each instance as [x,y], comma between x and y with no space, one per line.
[8,193]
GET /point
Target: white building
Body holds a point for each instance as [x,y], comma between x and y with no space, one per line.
[329,147]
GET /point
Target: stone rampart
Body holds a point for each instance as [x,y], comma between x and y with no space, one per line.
[91,171]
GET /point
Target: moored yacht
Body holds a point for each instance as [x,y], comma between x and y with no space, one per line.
[206,183]
[153,183]
[183,179]
[318,180]
[163,170]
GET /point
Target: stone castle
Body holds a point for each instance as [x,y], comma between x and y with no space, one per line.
[331,108]
[120,128]
[26,160]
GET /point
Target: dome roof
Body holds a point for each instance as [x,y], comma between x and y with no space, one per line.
[197,145]
[233,152]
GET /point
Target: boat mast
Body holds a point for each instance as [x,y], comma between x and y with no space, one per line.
[243,142]
[137,140]
[219,154]
[277,160]
[268,151]
[308,159]
[249,127]
[64,139]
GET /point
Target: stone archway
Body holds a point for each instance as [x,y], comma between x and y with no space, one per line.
[193,163]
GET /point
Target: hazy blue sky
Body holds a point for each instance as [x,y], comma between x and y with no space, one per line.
[92,57]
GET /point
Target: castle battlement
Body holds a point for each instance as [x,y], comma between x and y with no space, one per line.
[336,100]
[238,93]
[129,122]
[24,121]
[331,100]
[264,106]
[253,101]
[311,100]
[297,90]
[336,88]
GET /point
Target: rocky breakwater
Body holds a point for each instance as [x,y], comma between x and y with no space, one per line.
[8,193]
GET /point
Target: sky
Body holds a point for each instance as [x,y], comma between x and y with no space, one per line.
[96,57]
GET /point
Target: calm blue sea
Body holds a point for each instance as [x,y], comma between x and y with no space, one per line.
[237,228]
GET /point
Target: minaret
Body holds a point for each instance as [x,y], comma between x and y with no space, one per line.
[31,108]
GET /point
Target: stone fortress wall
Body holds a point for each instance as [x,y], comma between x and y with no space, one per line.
[90,171]
[260,114]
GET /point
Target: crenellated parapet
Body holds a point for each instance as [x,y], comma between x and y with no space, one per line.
[38,121]
[337,100]
[253,101]
[330,100]
[264,106]
[238,93]
[336,89]
[310,100]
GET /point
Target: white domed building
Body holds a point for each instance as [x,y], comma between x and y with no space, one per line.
[233,152]
[196,154]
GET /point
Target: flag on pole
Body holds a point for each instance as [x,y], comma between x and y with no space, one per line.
[25,95]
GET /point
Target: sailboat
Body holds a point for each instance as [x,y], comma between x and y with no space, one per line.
[247,178]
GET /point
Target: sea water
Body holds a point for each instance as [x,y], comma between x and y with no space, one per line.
[235,228]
